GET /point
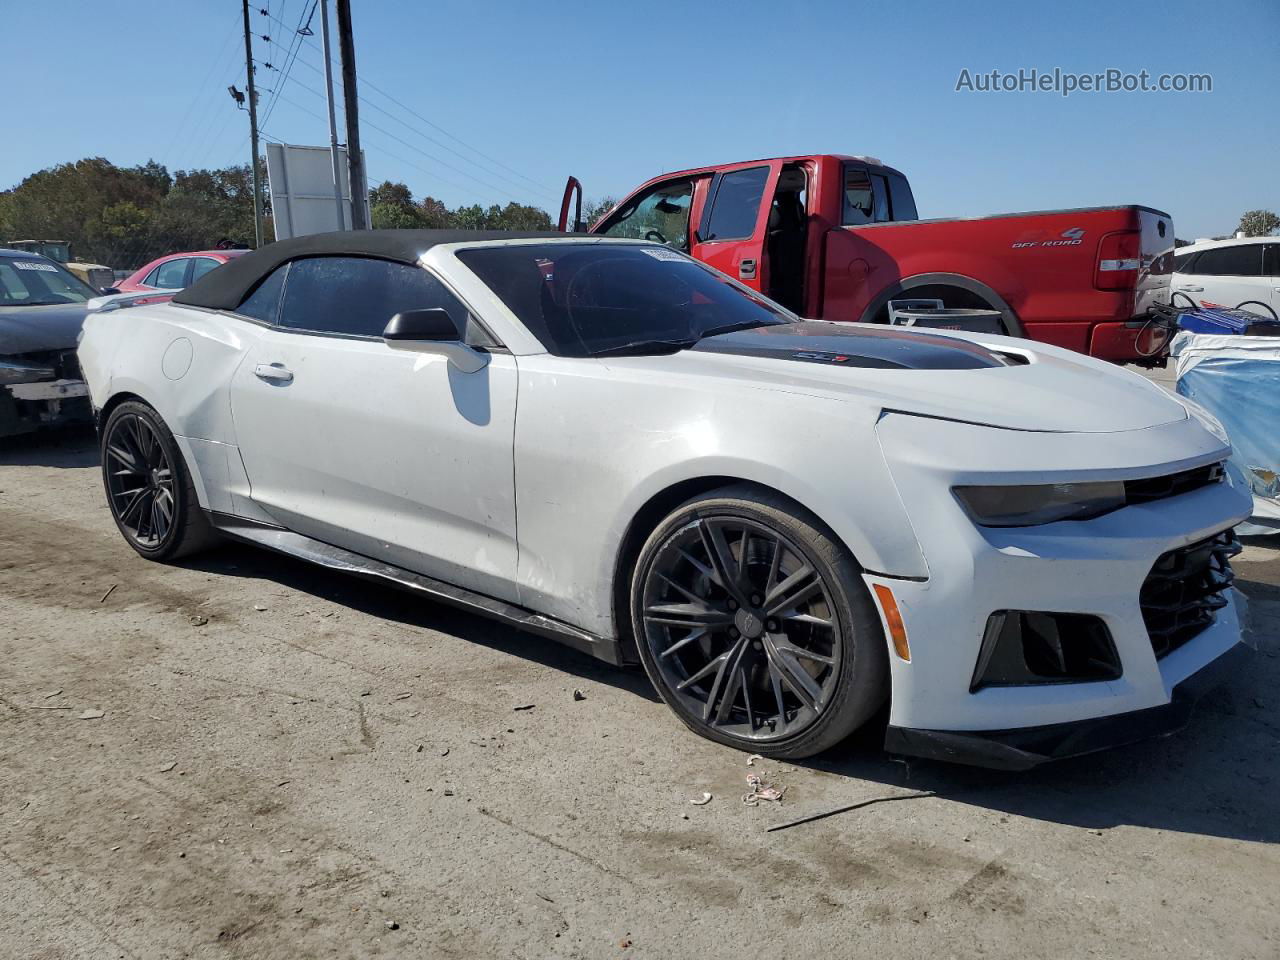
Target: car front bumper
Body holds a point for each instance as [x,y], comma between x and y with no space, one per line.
[1027,747]
[26,407]
[1094,567]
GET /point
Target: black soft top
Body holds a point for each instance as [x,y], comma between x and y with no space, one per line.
[226,287]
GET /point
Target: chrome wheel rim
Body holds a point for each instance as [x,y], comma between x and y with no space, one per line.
[139,481]
[742,628]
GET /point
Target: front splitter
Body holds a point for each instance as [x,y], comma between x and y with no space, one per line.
[1025,747]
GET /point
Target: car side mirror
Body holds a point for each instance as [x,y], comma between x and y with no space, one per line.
[433,331]
[433,324]
[109,291]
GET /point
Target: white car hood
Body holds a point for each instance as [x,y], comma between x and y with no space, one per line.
[975,380]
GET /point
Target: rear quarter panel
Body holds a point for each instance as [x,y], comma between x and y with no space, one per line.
[180,361]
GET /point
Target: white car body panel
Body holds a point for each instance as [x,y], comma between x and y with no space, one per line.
[388,452]
[1258,293]
[521,481]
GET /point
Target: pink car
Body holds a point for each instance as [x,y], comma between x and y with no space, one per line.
[175,271]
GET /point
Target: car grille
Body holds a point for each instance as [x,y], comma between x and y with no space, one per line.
[64,364]
[1185,589]
[1157,488]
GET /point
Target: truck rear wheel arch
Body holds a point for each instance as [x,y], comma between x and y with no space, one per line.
[966,292]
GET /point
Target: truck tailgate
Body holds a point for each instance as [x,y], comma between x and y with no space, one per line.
[1155,252]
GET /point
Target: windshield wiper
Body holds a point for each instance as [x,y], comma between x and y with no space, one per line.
[643,347]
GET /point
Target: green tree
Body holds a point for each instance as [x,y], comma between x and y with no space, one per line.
[124,217]
[1258,223]
[67,202]
[435,215]
[393,194]
[391,207]
[393,216]
[593,210]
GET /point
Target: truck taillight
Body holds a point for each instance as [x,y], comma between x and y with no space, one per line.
[1119,259]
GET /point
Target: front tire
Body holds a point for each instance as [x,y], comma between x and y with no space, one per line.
[754,625]
[149,489]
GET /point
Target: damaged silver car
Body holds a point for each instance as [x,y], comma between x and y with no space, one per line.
[42,308]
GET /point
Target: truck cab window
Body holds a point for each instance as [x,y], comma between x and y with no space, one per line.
[661,216]
[879,199]
[865,199]
[859,198]
[736,204]
[902,205]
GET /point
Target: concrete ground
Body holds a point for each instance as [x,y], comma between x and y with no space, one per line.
[288,762]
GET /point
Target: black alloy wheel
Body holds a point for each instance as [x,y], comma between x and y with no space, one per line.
[140,481]
[749,621]
[148,487]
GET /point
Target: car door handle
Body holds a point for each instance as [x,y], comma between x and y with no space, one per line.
[273,373]
[1191,289]
[746,269]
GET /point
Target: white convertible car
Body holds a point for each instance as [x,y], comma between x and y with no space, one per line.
[1025,551]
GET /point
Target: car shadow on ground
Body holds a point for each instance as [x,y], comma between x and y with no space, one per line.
[1216,778]
[74,446]
[404,607]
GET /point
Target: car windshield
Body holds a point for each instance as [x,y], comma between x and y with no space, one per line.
[593,299]
[37,282]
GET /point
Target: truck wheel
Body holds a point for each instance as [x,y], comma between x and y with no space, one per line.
[755,627]
[149,489]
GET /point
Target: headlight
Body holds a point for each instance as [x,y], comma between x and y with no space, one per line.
[1034,504]
[15,371]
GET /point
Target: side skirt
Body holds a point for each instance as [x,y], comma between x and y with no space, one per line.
[335,558]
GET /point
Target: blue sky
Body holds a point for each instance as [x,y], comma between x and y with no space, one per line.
[618,92]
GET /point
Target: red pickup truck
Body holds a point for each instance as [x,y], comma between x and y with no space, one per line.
[838,237]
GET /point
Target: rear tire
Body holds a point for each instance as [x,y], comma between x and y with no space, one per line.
[149,488]
[754,625]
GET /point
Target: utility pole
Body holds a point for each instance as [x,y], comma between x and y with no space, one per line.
[253,130]
[355,159]
[333,123]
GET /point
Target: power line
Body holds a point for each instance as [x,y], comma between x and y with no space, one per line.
[202,90]
[201,145]
[430,173]
[540,186]
[295,45]
[499,191]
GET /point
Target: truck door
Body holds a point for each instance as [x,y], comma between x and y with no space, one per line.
[731,232]
[659,213]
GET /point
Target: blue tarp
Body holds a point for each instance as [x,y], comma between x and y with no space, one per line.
[1237,379]
[1224,321]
